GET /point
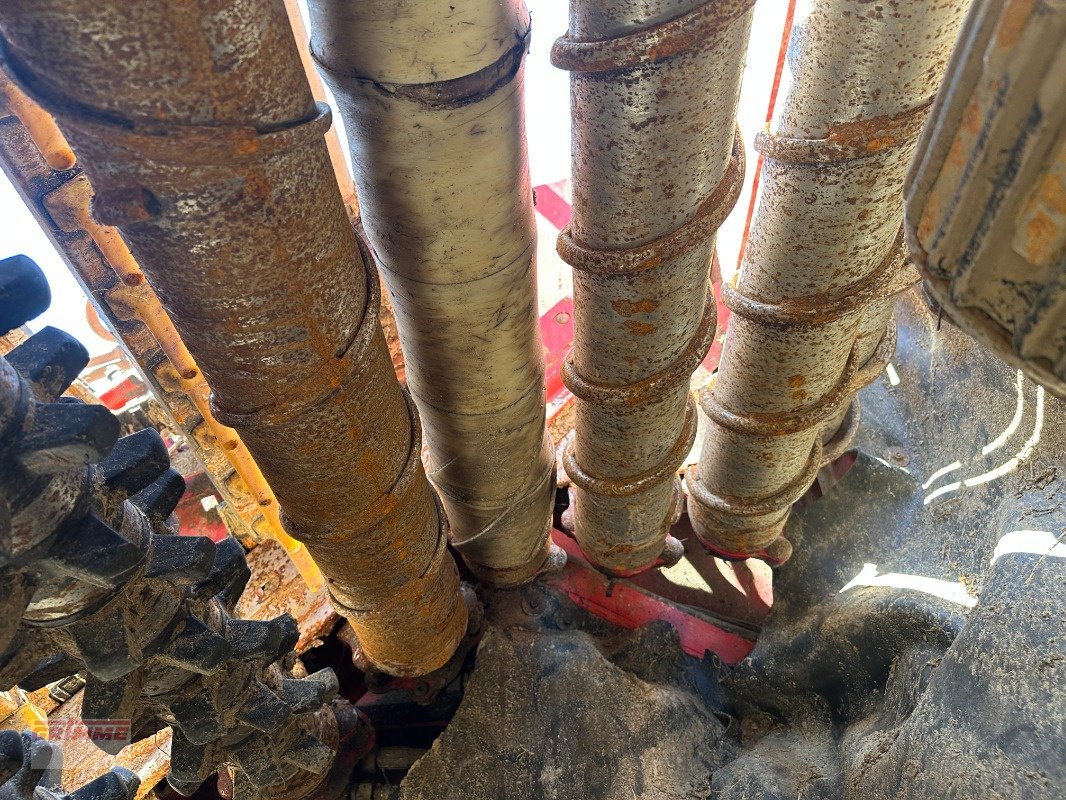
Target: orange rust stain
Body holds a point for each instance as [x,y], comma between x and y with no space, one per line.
[639,328]
[386,506]
[799,394]
[247,146]
[971,122]
[880,143]
[1052,192]
[628,308]
[1012,22]
[929,216]
[368,466]
[1043,230]
[796,381]
[1040,230]
[955,157]
[871,131]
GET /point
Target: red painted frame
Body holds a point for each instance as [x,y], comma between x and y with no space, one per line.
[627,605]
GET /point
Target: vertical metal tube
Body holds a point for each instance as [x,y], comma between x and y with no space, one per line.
[823,265]
[198,130]
[432,99]
[656,167]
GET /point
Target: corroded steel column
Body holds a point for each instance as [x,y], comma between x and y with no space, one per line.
[823,265]
[986,204]
[432,99]
[198,131]
[656,168]
[69,206]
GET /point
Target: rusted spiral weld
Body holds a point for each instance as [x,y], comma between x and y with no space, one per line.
[890,278]
[757,506]
[782,423]
[652,387]
[680,241]
[355,356]
[373,515]
[170,141]
[694,30]
[710,216]
[634,484]
[855,140]
[746,540]
[616,263]
[638,90]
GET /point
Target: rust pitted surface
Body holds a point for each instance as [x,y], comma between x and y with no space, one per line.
[847,140]
[657,165]
[708,218]
[986,198]
[200,135]
[813,300]
[690,31]
[462,273]
[57,200]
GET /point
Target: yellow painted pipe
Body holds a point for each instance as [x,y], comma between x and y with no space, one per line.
[40,125]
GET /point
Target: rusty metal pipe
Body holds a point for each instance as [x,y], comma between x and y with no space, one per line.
[60,201]
[432,100]
[69,205]
[823,265]
[199,132]
[333,142]
[986,198]
[656,167]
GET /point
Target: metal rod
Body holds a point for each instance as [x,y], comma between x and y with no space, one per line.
[222,187]
[656,167]
[68,206]
[823,265]
[40,125]
[432,100]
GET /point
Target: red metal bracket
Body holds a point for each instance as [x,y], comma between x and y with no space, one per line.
[627,605]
